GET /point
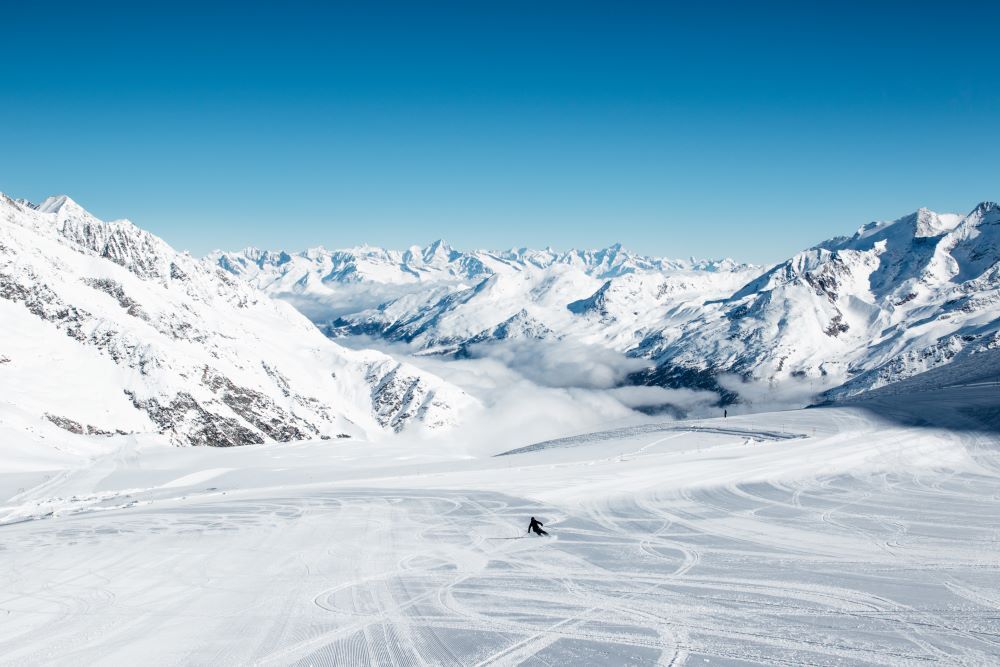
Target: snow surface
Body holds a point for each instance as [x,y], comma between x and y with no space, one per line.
[836,535]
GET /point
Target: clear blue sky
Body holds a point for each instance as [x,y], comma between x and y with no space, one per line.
[750,131]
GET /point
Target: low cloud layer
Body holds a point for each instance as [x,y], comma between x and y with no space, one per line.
[346,299]
[763,395]
[562,363]
[687,400]
[533,391]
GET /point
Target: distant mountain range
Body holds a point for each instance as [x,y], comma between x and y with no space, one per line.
[848,315]
[317,269]
[107,330]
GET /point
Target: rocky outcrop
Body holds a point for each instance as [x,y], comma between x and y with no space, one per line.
[187,422]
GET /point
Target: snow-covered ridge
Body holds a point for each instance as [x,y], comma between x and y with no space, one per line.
[854,313]
[316,268]
[444,300]
[107,329]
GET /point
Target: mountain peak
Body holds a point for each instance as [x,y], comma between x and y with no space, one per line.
[59,203]
[985,207]
[438,248]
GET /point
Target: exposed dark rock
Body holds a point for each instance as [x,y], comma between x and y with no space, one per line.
[115,290]
[178,329]
[43,302]
[824,282]
[176,273]
[66,424]
[122,243]
[837,326]
[78,428]
[258,409]
[279,379]
[395,397]
[189,423]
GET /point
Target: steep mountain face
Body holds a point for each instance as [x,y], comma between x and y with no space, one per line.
[849,315]
[852,314]
[106,329]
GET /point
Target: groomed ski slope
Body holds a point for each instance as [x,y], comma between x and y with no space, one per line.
[865,541]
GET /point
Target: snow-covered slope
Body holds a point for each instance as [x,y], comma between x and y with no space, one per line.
[891,301]
[106,329]
[831,536]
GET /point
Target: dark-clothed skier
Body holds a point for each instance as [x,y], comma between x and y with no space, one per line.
[536,526]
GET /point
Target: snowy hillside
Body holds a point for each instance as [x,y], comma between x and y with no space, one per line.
[830,536]
[893,300]
[106,329]
[850,314]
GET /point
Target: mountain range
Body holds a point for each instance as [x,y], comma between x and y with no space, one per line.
[108,330]
[851,314]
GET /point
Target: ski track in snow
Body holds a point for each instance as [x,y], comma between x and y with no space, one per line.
[863,567]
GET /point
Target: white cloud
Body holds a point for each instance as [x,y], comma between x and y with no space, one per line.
[764,395]
[535,391]
[562,363]
[648,397]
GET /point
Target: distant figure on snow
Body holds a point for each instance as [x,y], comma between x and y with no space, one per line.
[725,413]
[536,526]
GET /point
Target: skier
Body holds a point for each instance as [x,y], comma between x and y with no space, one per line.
[536,526]
[725,414]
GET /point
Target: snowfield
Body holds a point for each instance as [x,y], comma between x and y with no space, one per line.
[829,536]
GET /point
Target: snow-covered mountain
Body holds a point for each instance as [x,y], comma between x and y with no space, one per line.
[319,269]
[848,315]
[556,303]
[107,329]
[443,300]
[854,313]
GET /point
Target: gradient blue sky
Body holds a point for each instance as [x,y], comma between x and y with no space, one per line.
[727,129]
